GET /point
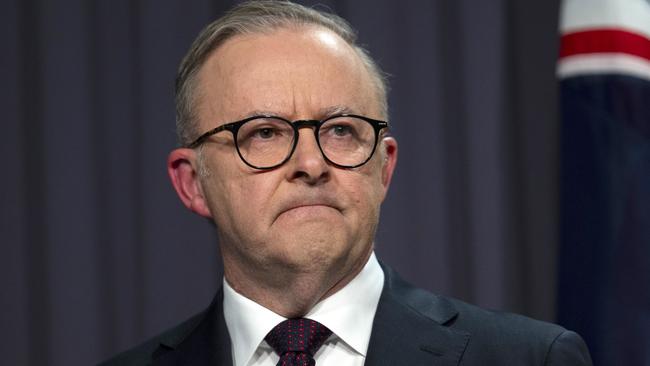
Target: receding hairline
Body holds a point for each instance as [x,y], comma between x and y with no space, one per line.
[246,19]
[341,52]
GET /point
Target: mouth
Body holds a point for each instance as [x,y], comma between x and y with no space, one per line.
[308,208]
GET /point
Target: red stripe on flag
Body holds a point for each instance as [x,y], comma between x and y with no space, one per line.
[605,41]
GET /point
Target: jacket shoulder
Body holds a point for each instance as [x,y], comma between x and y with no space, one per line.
[143,354]
[495,337]
[507,338]
[484,322]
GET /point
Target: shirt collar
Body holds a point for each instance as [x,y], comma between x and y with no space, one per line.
[348,313]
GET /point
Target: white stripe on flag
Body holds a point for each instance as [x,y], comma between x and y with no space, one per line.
[604,63]
[579,15]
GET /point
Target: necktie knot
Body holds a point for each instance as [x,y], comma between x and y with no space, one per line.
[296,341]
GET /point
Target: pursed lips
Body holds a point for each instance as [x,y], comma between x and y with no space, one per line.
[306,203]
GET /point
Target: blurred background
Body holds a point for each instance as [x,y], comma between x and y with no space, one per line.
[98,254]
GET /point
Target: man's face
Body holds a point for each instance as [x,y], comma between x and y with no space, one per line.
[306,215]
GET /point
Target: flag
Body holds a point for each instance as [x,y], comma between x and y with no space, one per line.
[604,253]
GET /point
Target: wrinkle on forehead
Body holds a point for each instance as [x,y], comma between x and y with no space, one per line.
[293,73]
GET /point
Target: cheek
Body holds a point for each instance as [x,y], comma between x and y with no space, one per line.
[245,202]
[366,193]
[373,179]
[223,189]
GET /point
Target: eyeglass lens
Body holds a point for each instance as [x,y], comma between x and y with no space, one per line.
[266,142]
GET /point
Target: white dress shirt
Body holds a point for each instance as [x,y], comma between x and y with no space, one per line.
[348,313]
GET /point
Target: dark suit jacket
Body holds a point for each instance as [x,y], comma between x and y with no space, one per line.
[411,327]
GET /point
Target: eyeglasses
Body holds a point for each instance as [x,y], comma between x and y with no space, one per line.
[266,142]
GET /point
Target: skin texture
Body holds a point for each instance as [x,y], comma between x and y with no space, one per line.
[293,235]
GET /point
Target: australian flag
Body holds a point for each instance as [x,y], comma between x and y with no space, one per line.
[604,255]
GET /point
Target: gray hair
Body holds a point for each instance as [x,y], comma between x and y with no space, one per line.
[254,17]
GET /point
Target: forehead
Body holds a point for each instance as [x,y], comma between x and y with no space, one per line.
[291,72]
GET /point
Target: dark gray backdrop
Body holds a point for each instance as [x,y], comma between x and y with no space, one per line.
[98,253]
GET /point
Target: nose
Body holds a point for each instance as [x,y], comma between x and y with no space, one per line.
[307,163]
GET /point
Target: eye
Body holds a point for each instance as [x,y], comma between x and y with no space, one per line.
[265,133]
[265,129]
[341,130]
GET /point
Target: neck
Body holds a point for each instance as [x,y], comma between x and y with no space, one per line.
[288,291]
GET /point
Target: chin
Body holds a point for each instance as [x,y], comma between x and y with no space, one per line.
[309,253]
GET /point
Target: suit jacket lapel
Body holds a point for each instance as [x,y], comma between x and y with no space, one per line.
[206,343]
[409,328]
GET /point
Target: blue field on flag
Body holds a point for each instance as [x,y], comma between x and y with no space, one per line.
[604,255]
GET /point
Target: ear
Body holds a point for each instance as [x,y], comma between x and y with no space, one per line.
[182,166]
[389,144]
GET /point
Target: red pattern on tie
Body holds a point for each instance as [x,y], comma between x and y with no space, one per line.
[296,341]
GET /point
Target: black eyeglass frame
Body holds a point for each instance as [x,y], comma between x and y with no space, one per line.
[234,127]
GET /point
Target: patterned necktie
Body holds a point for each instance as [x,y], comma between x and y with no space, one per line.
[297,340]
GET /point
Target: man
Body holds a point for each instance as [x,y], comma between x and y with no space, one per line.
[282,121]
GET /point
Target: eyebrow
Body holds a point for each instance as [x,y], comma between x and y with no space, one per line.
[337,109]
[322,113]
